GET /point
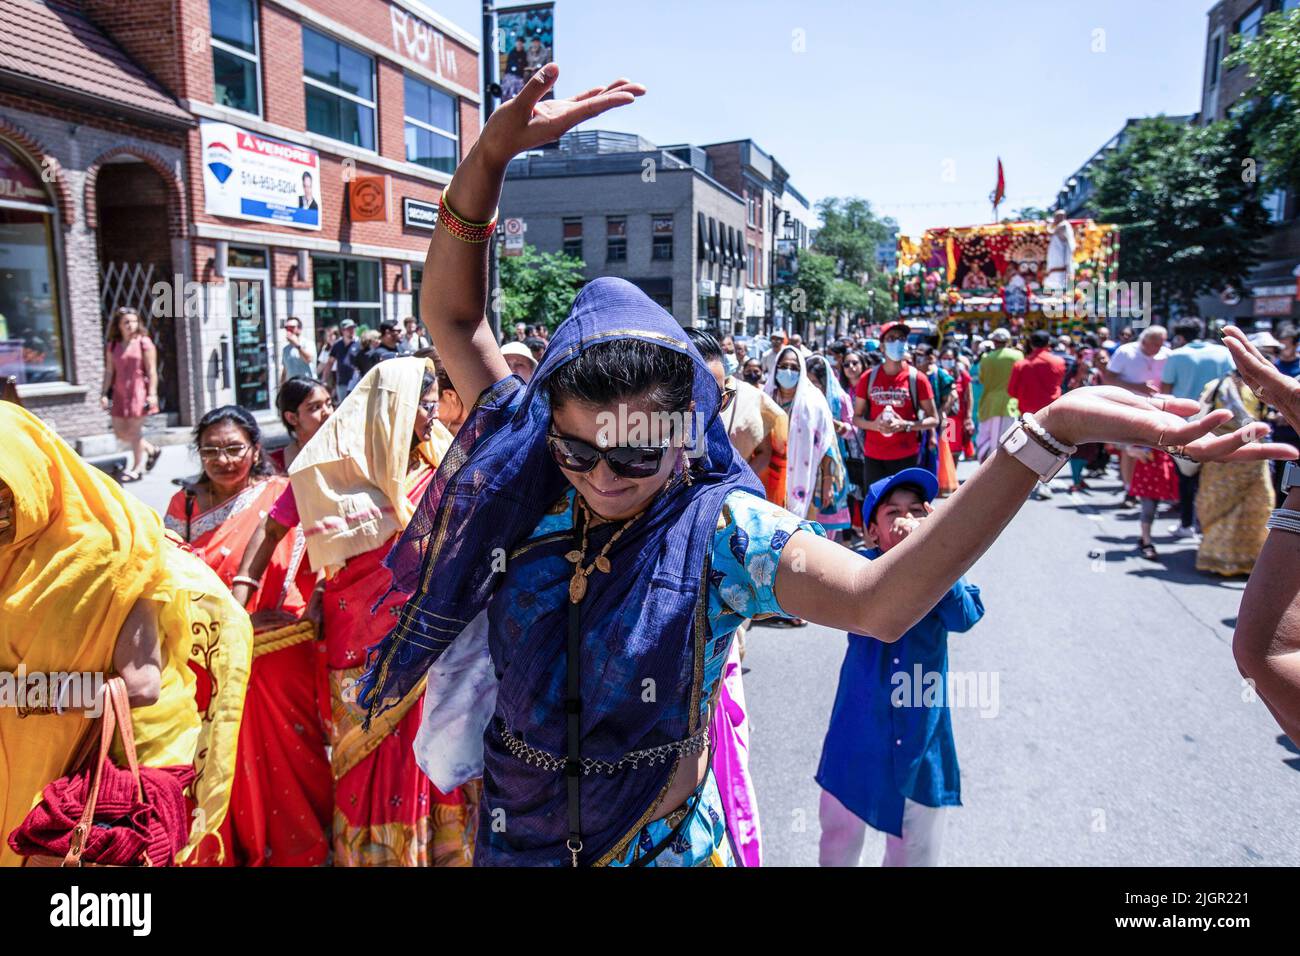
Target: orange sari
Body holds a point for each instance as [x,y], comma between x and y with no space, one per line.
[283,791]
[386,811]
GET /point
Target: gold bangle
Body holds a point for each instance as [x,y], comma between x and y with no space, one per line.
[461,220]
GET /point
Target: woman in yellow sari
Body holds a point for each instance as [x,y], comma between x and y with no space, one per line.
[89,583]
[1235,497]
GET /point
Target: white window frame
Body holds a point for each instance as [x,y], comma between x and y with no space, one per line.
[256,57]
[334,90]
[421,124]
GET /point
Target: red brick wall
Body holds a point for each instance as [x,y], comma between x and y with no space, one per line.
[147,31]
[282,74]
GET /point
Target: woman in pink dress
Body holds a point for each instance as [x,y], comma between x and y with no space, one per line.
[131,388]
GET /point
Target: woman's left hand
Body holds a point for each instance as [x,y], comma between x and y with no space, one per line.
[1106,413]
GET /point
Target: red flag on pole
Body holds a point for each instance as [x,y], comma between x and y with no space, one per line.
[1001,191]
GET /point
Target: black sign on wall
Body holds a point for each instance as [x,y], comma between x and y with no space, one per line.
[419,214]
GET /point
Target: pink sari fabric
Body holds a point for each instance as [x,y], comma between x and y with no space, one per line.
[729,731]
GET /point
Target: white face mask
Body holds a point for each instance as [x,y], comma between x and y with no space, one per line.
[787,378]
[947,364]
[895,350]
[729,363]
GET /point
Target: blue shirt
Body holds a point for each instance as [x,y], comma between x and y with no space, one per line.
[890,735]
[1195,365]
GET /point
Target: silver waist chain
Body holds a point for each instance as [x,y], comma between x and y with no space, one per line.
[695,744]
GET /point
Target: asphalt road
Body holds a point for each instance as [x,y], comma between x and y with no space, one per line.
[1122,736]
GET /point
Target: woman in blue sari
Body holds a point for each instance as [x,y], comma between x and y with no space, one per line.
[581,528]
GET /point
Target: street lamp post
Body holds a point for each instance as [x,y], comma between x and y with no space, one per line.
[490,93]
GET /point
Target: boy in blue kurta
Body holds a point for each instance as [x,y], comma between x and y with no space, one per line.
[889,761]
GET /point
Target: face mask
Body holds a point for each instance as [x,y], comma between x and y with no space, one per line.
[947,364]
[729,363]
[895,350]
[753,378]
[787,377]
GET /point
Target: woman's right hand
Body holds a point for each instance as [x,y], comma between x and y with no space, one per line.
[1269,385]
[104,403]
[527,121]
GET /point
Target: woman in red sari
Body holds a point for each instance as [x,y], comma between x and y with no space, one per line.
[355,487]
[280,802]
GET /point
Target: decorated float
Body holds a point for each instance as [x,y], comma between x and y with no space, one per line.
[976,278]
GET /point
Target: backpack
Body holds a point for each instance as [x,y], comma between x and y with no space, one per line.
[911,391]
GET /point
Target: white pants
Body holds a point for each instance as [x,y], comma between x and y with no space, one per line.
[844,832]
[990,431]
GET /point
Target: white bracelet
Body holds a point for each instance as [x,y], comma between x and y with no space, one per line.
[1284,519]
[1041,433]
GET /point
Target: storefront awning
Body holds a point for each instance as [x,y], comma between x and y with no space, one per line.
[52,49]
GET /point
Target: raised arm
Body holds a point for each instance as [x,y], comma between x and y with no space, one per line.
[820,581]
[453,296]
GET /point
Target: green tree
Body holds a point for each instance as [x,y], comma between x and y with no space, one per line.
[1189,222]
[1028,214]
[809,291]
[1271,113]
[538,287]
[850,232]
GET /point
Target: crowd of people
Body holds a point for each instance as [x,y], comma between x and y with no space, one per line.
[488,605]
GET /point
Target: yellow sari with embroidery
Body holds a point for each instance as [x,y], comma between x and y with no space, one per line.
[84,552]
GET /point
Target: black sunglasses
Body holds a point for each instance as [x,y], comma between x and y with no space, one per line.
[626,461]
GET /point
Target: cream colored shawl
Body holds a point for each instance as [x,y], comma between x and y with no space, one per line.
[349,481]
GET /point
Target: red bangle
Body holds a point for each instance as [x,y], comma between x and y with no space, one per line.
[458,227]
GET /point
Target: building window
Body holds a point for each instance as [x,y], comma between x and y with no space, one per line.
[616,239]
[1274,204]
[31,327]
[1248,26]
[236,70]
[432,130]
[749,207]
[750,260]
[340,88]
[661,232]
[1216,58]
[573,237]
[346,289]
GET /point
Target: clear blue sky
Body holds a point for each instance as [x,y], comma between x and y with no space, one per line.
[887,97]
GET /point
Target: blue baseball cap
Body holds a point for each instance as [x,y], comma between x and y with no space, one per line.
[920,478]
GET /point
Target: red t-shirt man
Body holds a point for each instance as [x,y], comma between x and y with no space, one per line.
[1036,380]
[892,390]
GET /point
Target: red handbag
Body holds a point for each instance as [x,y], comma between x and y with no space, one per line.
[134,817]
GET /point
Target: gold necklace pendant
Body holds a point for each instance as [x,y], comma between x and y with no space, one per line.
[577,586]
[602,564]
[574,557]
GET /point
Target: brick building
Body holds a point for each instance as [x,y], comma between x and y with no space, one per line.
[1274,285]
[652,215]
[91,170]
[261,158]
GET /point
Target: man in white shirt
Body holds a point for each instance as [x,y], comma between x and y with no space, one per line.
[1138,366]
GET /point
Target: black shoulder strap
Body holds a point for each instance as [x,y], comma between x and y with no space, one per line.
[871,383]
[190,500]
[573,710]
[912,392]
